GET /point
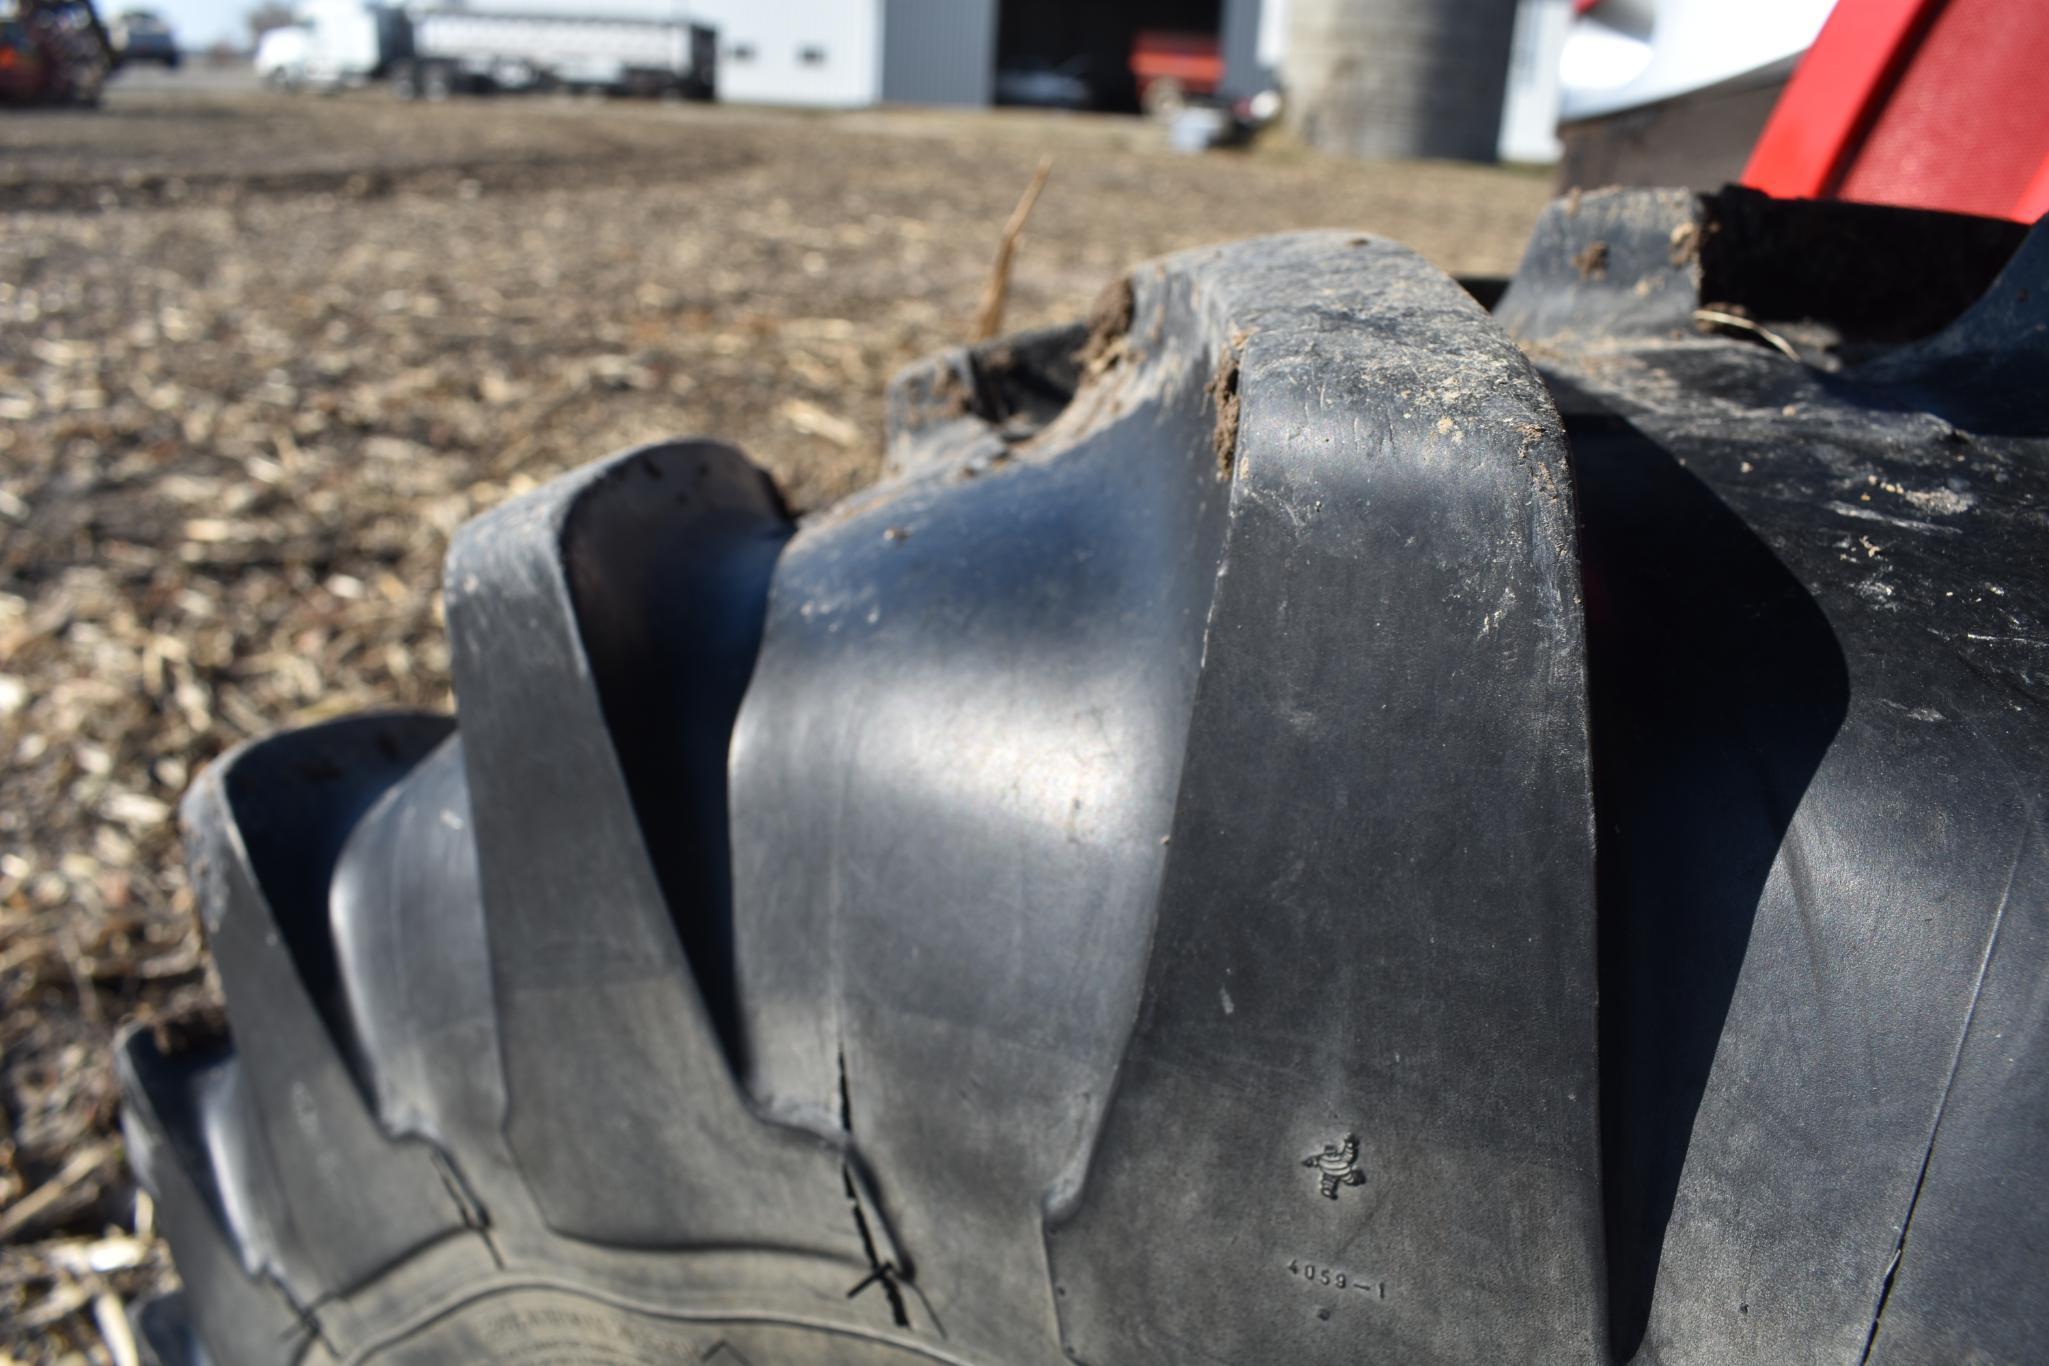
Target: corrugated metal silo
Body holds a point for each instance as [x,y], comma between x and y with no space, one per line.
[1399,78]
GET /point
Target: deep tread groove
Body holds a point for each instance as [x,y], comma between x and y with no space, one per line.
[294,835]
[670,666]
[265,826]
[550,599]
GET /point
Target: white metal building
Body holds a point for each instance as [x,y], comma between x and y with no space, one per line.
[850,53]
[829,54]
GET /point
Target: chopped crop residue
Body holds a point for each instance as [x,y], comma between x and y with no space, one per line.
[1109,326]
[1223,392]
[1685,245]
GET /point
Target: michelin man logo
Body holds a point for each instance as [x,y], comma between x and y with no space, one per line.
[1337,1166]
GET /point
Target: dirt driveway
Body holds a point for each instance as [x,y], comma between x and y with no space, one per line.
[260,355]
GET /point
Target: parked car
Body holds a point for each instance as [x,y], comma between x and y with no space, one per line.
[21,64]
[281,57]
[52,52]
[1042,84]
[141,35]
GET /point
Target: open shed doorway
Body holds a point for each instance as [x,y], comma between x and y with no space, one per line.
[1078,52]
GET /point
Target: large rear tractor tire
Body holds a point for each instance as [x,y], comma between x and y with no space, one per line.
[1302,822]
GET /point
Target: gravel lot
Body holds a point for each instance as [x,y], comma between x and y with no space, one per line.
[259,356]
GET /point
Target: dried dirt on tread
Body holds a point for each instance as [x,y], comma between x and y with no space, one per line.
[259,357]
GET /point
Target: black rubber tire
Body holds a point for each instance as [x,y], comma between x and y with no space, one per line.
[1125,888]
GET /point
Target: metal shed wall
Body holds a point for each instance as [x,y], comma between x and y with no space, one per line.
[938,51]
[805,52]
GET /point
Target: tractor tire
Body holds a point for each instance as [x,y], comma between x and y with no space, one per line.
[1304,821]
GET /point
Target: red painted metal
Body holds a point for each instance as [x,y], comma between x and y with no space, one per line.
[1966,124]
[1832,95]
[1937,104]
